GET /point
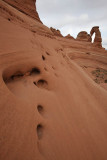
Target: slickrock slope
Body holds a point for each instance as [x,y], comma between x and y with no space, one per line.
[51,107]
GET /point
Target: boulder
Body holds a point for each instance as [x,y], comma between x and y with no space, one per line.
[84,36]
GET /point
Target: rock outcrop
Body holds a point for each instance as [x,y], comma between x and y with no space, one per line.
[25,6]
[84,36]
[56,32]
[98,40]
[69,37]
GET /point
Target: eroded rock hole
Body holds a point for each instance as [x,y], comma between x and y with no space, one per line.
[42,83]
[34,83]
[35,71]
[56,75]
[106,81]
[40,109]
[43,58]
[17,76]
[47,53]
[53,67]
[45,69]
[88,53]
[9,19]
[12,77]
[39,131]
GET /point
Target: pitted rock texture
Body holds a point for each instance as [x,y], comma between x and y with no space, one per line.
[53,91]
[98,39]
[84,36]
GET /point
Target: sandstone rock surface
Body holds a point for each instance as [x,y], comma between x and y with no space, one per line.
[69,37]
[56,32]
[53,91]
[25,6]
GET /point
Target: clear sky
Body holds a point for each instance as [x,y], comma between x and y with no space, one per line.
[73,16]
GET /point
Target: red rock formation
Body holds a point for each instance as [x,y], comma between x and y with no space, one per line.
[26,6]
[98,39]
[50,108]
[69,37]
[84,36]
[56,32]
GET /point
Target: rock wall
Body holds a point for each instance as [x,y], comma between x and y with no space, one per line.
[26,6]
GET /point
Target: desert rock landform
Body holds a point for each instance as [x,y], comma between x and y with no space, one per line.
[53,89]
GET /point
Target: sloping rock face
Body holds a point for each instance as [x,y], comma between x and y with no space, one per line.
[84,36]
[98,39]
[25,6]
[51,107]
[69,37]
[56,32]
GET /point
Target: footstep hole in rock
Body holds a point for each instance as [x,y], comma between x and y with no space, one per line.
[40,109]
[39,131]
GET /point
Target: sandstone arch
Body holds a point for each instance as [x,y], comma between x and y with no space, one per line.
[98,40]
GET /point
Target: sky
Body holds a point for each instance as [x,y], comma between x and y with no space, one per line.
[73,16]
